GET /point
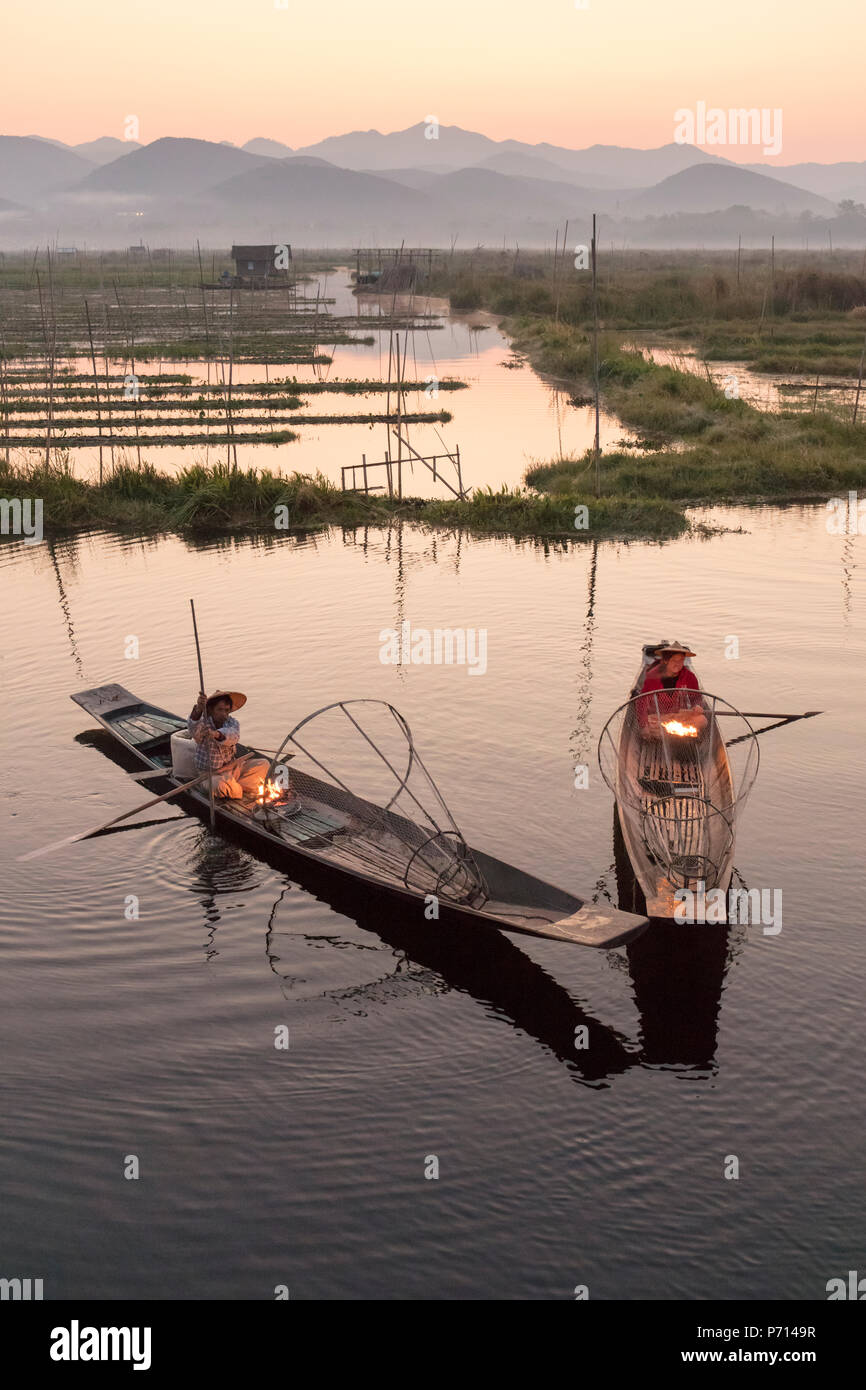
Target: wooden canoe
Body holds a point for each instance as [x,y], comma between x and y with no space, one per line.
[677,810]
[333,828]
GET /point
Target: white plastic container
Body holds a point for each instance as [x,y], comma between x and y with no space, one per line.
[183,756]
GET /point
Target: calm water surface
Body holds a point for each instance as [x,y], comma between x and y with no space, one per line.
[154,1036]
[506,419]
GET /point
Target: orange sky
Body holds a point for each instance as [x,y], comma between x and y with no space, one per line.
[613,73]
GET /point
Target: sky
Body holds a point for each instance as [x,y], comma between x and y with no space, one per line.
[613,73]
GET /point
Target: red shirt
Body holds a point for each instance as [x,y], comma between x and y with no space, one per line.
[684,695]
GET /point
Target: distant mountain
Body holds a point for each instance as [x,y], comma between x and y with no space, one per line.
[619,166]
[169,168]
[310,195]
[30,168]
[367,188]
[271,149]
[412,178]
[100,151]
[532,166]
[602,166]
[106,148]
[716,187]
[453,148]
[479,193]
[836,181]
[310,160]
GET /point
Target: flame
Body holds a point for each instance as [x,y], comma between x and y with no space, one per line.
[268,793]
[673,726]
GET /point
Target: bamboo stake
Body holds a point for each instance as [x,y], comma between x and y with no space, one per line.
[595,355]
[135,396]
[106,331]
[399,427]
[859,383]
[49,363]
[231,427]
[203,300]
[558,285]
[201,688]
[95,385]
[5,385]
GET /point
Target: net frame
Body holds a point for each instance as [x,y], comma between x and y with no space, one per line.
[426,851]
[671,794]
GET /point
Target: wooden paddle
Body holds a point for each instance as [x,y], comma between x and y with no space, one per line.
[204,711]
[85,834]
[781,721]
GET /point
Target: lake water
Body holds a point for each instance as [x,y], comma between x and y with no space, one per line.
[605,1166]
[506,419]
[763,390]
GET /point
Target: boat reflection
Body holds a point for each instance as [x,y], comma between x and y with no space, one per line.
[676,972]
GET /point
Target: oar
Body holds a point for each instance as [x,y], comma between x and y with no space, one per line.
[85,834]
[204,714]
[781,721]
[753,714]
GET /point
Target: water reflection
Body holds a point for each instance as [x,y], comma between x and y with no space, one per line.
[676,972]
[506,419]
[65,607]
[581,740]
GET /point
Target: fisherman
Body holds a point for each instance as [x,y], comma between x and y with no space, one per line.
[216,736]
[674,690]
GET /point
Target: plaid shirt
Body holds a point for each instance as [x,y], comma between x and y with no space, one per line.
[213,753]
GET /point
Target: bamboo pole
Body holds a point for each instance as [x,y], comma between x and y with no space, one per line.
[135,396]
[859,384]
[231,427]
[95,385]
[558,285]
[201,688]
[106,330]
[399,427]
[203,300]
[595,355]
[3,378]
[49,368]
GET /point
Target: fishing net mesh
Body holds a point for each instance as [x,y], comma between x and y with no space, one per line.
[686,761]
[360,787]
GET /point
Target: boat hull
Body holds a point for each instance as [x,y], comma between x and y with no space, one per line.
[686,819]
[516,902]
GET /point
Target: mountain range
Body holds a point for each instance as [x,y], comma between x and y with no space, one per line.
[425,184]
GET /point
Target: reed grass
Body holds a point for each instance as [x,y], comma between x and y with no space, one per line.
[219,498]
[802,314]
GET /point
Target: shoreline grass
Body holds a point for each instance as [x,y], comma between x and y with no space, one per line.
[705,446]
[220,499]
[793,315]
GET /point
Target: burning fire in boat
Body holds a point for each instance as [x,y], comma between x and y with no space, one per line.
[269,792]
[673,726]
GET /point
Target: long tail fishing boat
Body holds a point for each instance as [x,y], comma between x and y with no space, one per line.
[379,819]
[679,787]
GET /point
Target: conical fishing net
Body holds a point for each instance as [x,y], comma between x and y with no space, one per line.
[368,797]
[684,761]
